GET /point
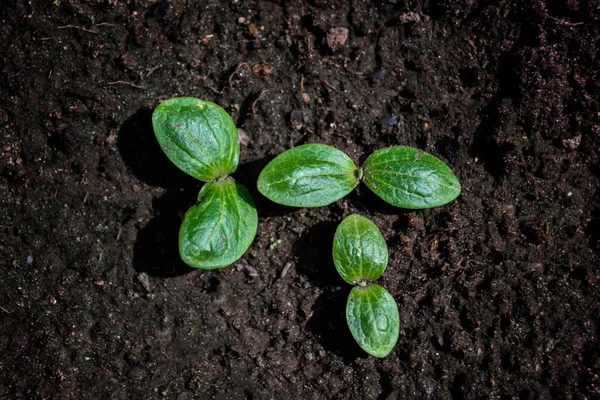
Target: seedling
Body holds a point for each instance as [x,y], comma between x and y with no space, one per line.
[314,175]
[200,138]
[360,256]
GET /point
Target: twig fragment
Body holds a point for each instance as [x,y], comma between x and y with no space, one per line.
[126,83]
[260,96]
[77,27]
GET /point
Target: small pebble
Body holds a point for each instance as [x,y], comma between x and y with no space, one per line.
[243,137]
[285,269]
[410,16]
[29,259]
[144,279]
[250,270]
[390,121]
[378,74]
[572,143]
[336,38]
[241,20]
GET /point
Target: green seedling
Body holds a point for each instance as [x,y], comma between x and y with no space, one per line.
[314,175]
[360,256]
[200,138]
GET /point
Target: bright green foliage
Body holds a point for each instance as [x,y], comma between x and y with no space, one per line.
[220,228]
[359,250]
[360,256]
[316,175]
[311,175]
[409,178]
[372,316]
[198,136]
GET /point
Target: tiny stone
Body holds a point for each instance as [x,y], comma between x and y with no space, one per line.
[241,20]
[144,279]
[572,143]
[243,137]
[29,259]
[336,37]
[285,269]
[390,121]
[410,16]
[250,270]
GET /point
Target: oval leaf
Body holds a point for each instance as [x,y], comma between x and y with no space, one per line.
[410,178]
[311,175]
[372,316]
[198,136]
[359,250]
[218,230]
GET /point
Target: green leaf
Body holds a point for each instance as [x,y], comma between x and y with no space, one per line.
[372,316]
[409,178]
[311,175]
[359,250]
[199,137]
[218,230]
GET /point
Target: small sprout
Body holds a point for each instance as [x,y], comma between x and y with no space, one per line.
[274,243]
[360,256]
[201,139]
[315,175]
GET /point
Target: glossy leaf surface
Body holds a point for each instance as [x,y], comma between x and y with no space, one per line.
[218,230]
[311,175]
[359,250]
[198,136]
[409,178]
[373,319]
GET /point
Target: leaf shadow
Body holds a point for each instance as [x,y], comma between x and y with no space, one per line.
[314,254]
[143,156]
[367,202]
[327,322]
[156,250]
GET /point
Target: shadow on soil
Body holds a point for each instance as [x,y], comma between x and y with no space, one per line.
[328,325]
[156,248]
[328,321]
[144,157]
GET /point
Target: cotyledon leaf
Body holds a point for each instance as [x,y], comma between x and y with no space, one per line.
[373,319]
[311,175]
[198,136]
[359,250]
[410,178]
[218,230]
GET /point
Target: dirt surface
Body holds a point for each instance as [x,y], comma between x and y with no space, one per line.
[498,290]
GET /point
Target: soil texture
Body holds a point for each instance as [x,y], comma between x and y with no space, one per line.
[498,290]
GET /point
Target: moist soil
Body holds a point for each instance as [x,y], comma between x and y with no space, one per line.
[497,290]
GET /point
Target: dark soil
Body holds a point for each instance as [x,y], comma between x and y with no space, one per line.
[498,290]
